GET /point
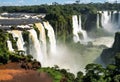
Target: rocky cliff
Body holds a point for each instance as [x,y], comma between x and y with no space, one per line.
[108,54]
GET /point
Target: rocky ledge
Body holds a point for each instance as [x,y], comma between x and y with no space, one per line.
[108,55]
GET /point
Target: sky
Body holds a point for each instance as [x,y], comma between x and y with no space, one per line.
[38,2]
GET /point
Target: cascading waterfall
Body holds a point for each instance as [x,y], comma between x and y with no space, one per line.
[119,20]
[42,37]
[85,37]
[51,36]
[20,43]
[37,47]
[77,28]
[109,20]
[113,17]
[106,20]
[9,44]
[34,46]
[98,24]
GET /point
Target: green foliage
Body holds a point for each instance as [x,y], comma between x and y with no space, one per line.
[19,55]
[4,58]
[14,57]
[95,73]
[56,75]
[36,29]
[5,55]
[3,47]
[116,78]
[29,58]
[14,41]
[25,35]
[13,28]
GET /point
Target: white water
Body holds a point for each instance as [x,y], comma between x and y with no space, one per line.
[98,25]
[107,41]
[77,28]
[51,35]
[119,20]
[20,43]
[42,38]
[9,44]
[108,21]
[74,61]
[34,46]
[113,17]
[82,31]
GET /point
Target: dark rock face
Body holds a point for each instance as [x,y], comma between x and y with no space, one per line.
[108,54]
[116,45]
[90,22]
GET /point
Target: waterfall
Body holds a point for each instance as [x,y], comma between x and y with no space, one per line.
[109,21]
[18,34]
[113,17]
[51,36]
[34,46]
[84,33]
[77,28]
[9,44]
[42,37]
[98,24]
[106,20]
[119,20]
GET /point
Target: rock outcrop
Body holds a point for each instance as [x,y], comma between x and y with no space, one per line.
[108,54]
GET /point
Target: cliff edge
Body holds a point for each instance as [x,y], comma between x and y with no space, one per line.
[108,55]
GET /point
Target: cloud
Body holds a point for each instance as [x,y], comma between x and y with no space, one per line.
[70,1]
[85,1]
[112,1]
[21,1]
[8,4]
[81,1]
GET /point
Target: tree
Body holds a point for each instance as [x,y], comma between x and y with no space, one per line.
[79,77]
[116,78]
[94,73]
